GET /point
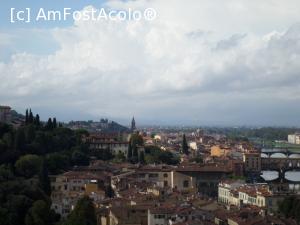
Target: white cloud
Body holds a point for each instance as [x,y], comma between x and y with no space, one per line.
[211,57]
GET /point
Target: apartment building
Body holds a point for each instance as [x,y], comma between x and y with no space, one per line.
[252,162]
[100,142]
[294,138]
[238,193]
[67,188]
[166,176]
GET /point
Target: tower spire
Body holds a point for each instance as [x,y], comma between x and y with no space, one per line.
[133,127]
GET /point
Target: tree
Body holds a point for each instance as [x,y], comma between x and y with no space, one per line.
[54,124]
[129,152]
[19,143]
[142,157]
[30,117]
[135,154]
[119,158]
[26,116]
[185,147]
[83,214]
[8,139]
[39,214]
[44,179]
[286,206]
[109,191]
[37,120]
[49,124]
[16,203]
[136,139]
[6,173]
[28,165]
[79,158]
[155,155]
[57,162]
[29,133]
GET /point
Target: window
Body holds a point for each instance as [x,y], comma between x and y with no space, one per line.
[165,175]
[165,183]
[153,175]
[186,183]
[157,216]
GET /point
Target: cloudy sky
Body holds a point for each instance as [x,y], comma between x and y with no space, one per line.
[199,62]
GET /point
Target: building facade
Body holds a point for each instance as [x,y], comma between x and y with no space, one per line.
[5,114]
[294,138]
[100,142]
[252,162]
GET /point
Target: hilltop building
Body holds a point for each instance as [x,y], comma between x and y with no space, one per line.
[5,114]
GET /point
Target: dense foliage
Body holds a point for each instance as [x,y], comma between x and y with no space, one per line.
[185,147]
[290,208]
[28,155]
[83,213]
[266,133]
[133,155]
[154,154]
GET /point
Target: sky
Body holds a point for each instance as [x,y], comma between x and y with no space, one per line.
[198,62]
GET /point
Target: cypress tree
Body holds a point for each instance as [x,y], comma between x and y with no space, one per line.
[142,157]
[135,154]
[26,117]
[49,124]
[37,120]
[185,147]
[44,179]
[30,117]
[54,125]
[109,192]
[129,152]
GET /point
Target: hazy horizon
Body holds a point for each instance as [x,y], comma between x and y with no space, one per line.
[199,62]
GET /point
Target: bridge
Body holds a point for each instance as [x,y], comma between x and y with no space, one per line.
[282,166]
[277,164]
[282,179]
[286,151]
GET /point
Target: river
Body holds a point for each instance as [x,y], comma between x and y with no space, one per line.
[271,175]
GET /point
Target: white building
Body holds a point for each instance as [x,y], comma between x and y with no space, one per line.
[159,216]
[294,138]
[226,191]
[239,193]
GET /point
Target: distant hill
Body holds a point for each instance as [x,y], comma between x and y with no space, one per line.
[17,116]
[104,125]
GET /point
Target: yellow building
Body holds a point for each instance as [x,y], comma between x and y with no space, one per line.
[219,151]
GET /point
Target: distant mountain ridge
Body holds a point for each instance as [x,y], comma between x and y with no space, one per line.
[104,125]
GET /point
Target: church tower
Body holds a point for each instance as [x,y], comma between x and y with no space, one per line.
[133,127]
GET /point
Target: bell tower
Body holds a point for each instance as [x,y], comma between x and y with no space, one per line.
[133,127]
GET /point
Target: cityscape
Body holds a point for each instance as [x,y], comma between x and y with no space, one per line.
[101,172]
[150,112]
